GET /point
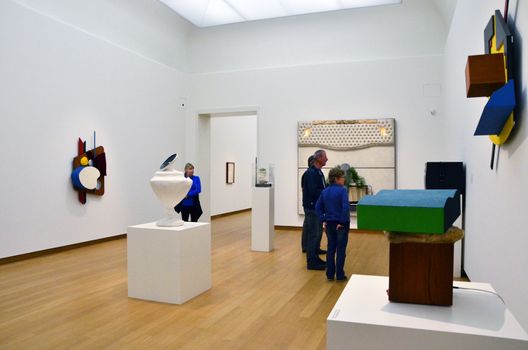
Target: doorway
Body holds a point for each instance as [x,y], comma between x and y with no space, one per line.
[226,139]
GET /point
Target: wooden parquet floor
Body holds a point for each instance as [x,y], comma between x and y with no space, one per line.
[77,299]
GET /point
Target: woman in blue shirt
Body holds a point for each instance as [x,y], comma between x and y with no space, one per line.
[333,210]
[190,205]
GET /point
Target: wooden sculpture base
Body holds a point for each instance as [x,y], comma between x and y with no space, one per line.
[421,273]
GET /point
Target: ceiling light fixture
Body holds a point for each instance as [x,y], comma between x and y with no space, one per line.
[206,13]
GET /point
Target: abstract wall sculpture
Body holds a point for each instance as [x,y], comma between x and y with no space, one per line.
[365,144]
[491,75]
[89,170]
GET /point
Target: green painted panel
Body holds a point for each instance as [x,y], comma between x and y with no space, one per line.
[401,219]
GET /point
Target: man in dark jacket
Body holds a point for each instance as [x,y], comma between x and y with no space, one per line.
[313,183]
[303,239]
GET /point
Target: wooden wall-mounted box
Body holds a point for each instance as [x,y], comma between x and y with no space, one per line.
[484,74]
[421,273]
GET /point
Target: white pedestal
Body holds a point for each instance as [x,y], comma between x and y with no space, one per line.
[457,252]
[363,318]
[169,264]
[263,219]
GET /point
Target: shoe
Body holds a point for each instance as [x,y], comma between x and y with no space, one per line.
[322,262]
[330,278]
[316,267]
[344,278]
[321,252]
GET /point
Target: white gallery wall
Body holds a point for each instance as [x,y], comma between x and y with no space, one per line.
[496,233]
[144,27]
[233,139]
[59,83]
[413,28]
[369,63]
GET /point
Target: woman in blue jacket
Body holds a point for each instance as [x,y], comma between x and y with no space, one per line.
[190,205]
[333,210]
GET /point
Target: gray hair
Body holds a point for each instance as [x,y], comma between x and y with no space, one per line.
[319,153]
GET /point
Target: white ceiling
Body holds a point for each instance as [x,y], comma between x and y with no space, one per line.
[206,13]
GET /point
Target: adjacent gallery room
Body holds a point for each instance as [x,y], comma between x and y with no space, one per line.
[279,174]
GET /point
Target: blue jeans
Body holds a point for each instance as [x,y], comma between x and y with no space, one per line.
[313,228]
[304,241]
[335,256]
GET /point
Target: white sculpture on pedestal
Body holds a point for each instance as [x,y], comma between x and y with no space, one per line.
[170,186]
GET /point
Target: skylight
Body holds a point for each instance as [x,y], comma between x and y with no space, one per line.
[207,13]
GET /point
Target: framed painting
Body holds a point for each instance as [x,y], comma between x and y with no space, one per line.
[230,172]
[367,145]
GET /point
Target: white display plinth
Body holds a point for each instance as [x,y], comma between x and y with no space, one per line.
[169,264]
[262,219]
[363,318]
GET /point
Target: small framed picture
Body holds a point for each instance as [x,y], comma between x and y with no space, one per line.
[230,172]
